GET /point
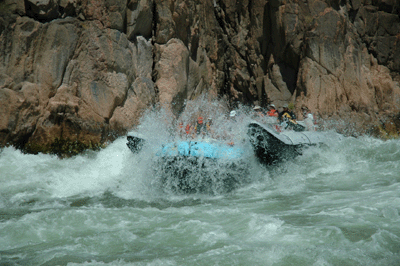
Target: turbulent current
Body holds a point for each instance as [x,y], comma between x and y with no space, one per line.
[333,205]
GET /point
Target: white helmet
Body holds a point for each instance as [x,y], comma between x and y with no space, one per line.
[232,113]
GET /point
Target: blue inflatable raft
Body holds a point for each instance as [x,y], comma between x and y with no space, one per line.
[202,148]
[198,166]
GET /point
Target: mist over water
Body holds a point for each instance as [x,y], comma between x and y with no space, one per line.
[337,204]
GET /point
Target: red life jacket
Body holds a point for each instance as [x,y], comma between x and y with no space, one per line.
[187,129]
[272,112]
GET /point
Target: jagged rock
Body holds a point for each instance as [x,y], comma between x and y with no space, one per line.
[338,76]
[9,7]
[171,73]
[45,10]
[9,115]
[67,8]
[140,18]
[140,95]
[81,72]
[110,13]
[165,25]
[84,76]
[380,29]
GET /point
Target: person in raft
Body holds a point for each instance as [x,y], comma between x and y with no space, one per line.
[258,111]
[308,118]
[272,111]
[288,119]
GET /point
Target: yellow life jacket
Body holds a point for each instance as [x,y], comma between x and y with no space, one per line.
[289,117]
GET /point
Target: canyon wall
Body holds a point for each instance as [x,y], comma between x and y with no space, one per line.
[75,74]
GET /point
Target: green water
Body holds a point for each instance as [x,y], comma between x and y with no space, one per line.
[333,205]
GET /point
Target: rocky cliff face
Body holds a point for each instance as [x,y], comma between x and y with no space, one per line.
[75,74]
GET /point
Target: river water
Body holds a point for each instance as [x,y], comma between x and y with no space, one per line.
[334,205]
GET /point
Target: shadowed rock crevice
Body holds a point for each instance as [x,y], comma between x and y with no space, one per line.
[42,11]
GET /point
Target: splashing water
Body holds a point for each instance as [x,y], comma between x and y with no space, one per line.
[191,174]
[333,205]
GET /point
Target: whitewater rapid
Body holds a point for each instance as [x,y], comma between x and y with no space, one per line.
[334,205]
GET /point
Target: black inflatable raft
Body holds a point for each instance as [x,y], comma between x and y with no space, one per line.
[272,147]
